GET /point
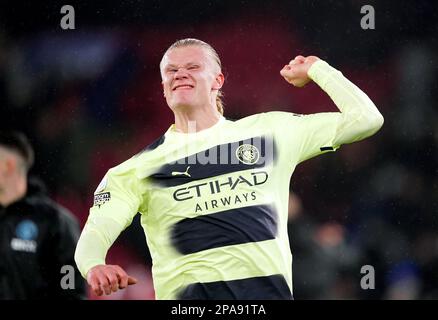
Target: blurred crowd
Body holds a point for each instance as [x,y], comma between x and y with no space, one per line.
[91,98]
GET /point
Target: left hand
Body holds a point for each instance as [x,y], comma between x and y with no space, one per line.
[296,71]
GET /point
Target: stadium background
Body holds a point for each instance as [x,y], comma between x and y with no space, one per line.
[90,98]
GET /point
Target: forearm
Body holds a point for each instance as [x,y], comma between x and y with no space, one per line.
[97,237]
[359,116]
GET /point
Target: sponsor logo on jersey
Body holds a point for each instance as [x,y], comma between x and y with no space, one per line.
[185,173]
[219,185]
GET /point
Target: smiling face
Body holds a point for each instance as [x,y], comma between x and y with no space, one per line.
[191,78]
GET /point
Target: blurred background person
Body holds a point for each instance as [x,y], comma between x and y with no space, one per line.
[37,236]
[324,264]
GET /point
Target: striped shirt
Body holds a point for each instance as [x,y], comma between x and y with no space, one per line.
[214,204]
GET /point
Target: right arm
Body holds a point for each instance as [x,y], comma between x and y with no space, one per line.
[358,118]
[115,204]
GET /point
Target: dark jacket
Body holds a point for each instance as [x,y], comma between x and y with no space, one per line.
[37,238]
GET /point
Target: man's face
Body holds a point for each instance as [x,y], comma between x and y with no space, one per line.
[13,178]
[190,76]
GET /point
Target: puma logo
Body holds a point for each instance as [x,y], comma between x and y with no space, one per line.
[186,173]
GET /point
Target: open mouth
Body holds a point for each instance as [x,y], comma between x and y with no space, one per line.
[183,87]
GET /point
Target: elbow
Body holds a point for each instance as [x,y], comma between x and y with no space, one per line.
[367,125]
[78,259]
[377,122]
[373,123]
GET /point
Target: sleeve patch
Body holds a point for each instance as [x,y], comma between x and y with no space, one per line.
[101,198]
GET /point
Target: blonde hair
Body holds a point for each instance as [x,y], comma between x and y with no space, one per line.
[195,42]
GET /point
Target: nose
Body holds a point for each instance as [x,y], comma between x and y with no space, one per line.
[180,74]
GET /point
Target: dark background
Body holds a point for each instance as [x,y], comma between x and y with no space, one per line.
[90,98]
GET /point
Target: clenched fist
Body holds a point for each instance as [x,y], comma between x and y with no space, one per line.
[296,71]
[108,278]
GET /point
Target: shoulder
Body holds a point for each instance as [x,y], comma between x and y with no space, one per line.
[248,120]
[154,145]
[133,162]
[271,118]
[131,169]
[38,205]
[64,216]
[45,211]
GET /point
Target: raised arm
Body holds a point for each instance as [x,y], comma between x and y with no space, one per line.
[359,116]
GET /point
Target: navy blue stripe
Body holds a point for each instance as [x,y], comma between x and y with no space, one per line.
[199,169]
[159,141]
[225,228]
[258,288]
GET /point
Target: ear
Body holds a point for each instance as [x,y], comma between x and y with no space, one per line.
[162,84]
[218,81]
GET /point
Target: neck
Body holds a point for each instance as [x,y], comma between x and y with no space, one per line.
[188,121]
